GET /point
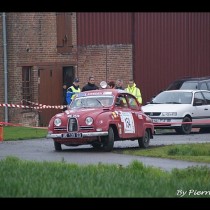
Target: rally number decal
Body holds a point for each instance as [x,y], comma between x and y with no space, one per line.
[127,119]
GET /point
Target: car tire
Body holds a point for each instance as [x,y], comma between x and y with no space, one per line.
[108,141]
[185,128]
[145,140]
[57,146]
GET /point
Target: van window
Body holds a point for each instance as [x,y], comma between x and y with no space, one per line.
[175,85]
[203,86]
[208,84]
[207,96]
[189,86]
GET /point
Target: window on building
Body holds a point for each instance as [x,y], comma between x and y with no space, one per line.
[64,32]
[26,85]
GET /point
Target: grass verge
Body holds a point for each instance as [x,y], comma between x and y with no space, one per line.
[22,133]
[189,152]
[20,178]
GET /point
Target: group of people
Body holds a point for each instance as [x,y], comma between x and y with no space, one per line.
[69,93]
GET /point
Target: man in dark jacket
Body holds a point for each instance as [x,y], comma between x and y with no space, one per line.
[90,85]
[71,91]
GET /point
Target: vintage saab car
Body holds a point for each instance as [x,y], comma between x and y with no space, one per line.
[181,110]
[100,117]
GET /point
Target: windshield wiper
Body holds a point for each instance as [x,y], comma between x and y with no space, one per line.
[99,102]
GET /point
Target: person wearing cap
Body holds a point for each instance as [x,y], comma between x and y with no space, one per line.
[71,91]
[90,85]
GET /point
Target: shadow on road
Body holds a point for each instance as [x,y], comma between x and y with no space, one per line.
[173,132]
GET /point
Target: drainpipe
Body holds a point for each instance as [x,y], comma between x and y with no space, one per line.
[133,45]
[5,66]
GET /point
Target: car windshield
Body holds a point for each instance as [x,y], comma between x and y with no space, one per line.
[92,102]
[173,98]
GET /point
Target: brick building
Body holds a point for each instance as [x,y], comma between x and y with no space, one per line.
[42,54]
[41,51]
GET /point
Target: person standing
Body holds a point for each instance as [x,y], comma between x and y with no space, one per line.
[71,91]
[134,90]
[119,84]
[64,94]
[90,85]
[111,85]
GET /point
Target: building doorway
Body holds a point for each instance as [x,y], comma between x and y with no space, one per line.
[68,77]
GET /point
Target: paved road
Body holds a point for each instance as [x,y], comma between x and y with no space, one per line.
[43,150]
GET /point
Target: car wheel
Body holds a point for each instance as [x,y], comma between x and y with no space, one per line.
[144,141]
[108,141]
[57,146]
[185,128]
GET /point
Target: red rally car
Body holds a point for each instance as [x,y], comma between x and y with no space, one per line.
[100,117]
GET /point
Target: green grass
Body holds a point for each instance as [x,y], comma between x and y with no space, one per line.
[190,152]
[21,133]
[20,178]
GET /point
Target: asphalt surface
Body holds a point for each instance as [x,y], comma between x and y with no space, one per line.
[43,150]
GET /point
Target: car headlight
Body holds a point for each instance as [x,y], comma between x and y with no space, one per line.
[89,121]
[168,114]
[57,122]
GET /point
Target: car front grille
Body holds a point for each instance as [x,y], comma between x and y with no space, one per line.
[72,124]
[151,114]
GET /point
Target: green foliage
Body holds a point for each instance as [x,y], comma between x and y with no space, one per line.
[22,133]
[20,178]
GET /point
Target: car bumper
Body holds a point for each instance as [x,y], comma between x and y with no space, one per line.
[166,122]
[84,135]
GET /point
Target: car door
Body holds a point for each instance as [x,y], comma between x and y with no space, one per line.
[126,126]
[201,111]
[206,117]
[136,113]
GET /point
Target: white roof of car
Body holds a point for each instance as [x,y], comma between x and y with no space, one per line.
[190,91]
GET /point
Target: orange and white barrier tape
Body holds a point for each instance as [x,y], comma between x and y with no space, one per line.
[20,125]
[33,107]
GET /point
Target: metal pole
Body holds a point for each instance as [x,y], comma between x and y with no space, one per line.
[5,66]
